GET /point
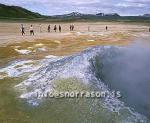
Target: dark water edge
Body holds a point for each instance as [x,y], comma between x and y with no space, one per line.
[127,70]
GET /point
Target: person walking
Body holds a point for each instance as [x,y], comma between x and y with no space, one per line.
[40,28]
[49,28]
[59,28]
[72,27]
[55,28]
[31,30]
[22,29]
[106,28]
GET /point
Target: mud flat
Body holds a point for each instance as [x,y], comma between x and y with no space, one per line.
[10,32]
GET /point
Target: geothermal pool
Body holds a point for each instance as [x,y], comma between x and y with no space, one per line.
[101,68]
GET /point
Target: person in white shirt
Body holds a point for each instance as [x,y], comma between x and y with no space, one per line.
[31,30]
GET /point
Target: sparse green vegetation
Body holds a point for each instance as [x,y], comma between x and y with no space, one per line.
[16,12]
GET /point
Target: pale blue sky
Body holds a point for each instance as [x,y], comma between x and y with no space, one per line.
[57,7]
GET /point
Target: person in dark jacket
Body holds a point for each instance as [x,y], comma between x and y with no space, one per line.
[72,27]
[22,29]
[106,28]
[55,28]
[59,28]
[49,28]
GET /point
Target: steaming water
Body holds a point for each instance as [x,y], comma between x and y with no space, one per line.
[128,70]
[102,68]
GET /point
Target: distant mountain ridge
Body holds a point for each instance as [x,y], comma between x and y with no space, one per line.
[109,14]
[77,14]
[19,13]
[146,15]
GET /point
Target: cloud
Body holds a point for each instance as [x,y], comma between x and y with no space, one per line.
[137,5]
[54,7]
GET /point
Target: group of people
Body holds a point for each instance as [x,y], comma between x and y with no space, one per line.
[23,30]
[49,29]
[55,28]
[31,30]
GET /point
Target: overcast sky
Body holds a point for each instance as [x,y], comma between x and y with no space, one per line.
[56,7]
